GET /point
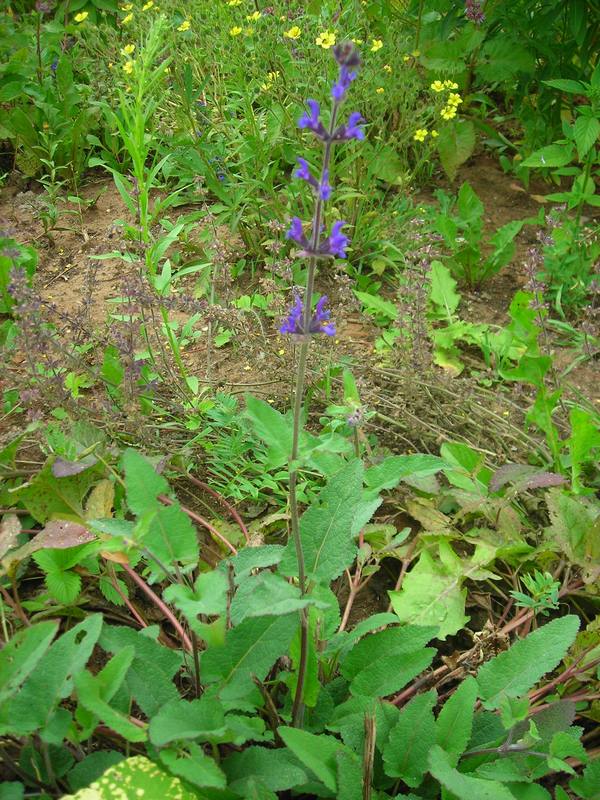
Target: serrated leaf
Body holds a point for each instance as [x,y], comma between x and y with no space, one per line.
[264,595]
[393,469]
[277,769]
[443,292]
[586,131]
[90,696]
[515,671]
[398,641]
[406,751]
[587,786]
[91,767]
[464,787]
[194,766]
[553,155]
[318,753]
[182,719]
[171,537]
[250,650]
[455,145]
[455,720]
[63,586]
[142,483]
[387,675]
[20,655]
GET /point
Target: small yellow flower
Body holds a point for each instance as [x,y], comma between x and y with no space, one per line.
[450,85]
[357,41]
[185,26]
[81,17]
[234,3]
[377,45]
[405,58]
[110,65]
[254,17]
[448,112]
[128,66]
[127,50]
[325,40]
[437,86]
[127,7]
[420,134]
[126,20]
[147,6]
[454,99]
[387,68]
[272,76]
[293,33]
[434,134]
[235,31]
[380,90]
[416,53]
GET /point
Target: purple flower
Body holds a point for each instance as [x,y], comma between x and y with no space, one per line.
[319,322]
[474,11]
[325,186]
[54,65]
[336,243]
[303,172]
[352,130]
[296,233]
[339,89]
[312,121]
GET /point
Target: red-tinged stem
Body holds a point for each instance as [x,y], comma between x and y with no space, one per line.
[231,509]
[160,605]
[113,579]
[201,521]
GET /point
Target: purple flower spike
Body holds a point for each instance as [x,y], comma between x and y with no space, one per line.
[312,120]
[337,242]
[325,186]
[339,89]
[319,323]
[303,172]
[296,232]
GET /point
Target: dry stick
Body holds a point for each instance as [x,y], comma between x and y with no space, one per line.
[161,605]
[124,598]
[233,511]
[368,755]
[16,607]
[405,565]
[201,521]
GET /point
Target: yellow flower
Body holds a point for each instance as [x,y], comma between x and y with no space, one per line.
[437,86]
[380,90]
[387,68]
[253,17]
[147,6]
[110,65]
[325,40]
[450,85]
[434,134]
[448,112]
[416,53]
[454,99]
[126,20]
[127,7]
[81,17]
[420,134]
[293,32]
[377,45]
[405,58]
[234,3]
[235,31]
[357,41]
[128,66]
[128,50]
[185,26]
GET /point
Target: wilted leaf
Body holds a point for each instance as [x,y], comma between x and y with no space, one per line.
[10,527]
[61,468]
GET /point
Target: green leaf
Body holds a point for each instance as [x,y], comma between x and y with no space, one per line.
[208,597]
[393,469]
[432,592]
[349,776]
[46,496]
[377,306]
[386,675]
[588,785]
[92,767]
[318,753]
[464,787]
[405,754]
[455,145]
[277,769]
[515,671]
[52,679]
[273,428]
[142,777]
[443,292]
[264,595]
[171,537]
[553,155]
[327,528]
[249,650]
[11,790]
[21,654]
[63,586]
[142,483]
[398,641]
[574,531]
[584,440]
[90,696]
[182,719]
[194,766]
[455,720]
[586,131]
[566,85]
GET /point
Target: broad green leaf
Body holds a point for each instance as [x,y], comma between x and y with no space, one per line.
[587,786]
[575,531]
[566,85]
[46,496]
[393,469]
[455,145]
[405,754]
[273,428]
[171,537]
[318,753]
[208,597]
[388,675]
[277,769]
[398,641]
[183,719]
[91,696]
[21,654]
[264,595]
[584,440]
[443,292]
[553,155]
[464,787]
[515,671]
[142,777]
[92,767]
[586,131]
[194,766]
[52,679]
[142,483]
[377,306]
[349,776]
[11,790]
[455,721]
[250,650]
[326,528]
[251,558]
[432,592]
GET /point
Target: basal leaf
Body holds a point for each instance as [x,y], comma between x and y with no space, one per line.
[406,751]
[279,770]
[183,719]
[142,483]
[318,753]
[193,765]
[464,787]
[455,721]
[443,294]
[20,655]
[515,671]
